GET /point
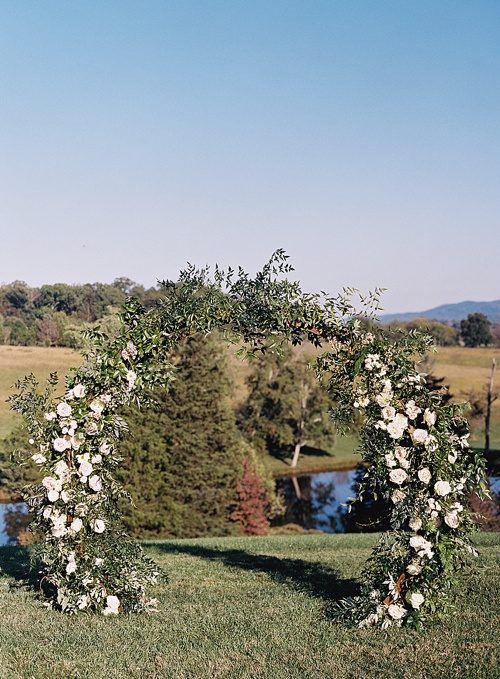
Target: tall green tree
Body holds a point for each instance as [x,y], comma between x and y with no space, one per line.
[475,330]
[287,407]
[184,459]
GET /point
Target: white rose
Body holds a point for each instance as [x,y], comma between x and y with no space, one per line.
[38,458]
[60,444]
[112,605]
[47,512]
[424,475]
[398,496]
[415,524]
[82,602]
[414,569]
[390,461]
[451,520]
[71,567]
[61,468]
[50,416]
[85,468]
[91,428]
[429,417]
[76,525]
[65,496]
[415,599]
[420,435]
[53,495]
[97,405]
[79,391]
[442,488]
[412,410]
[98,526]
[396,611]
[398,476]
[384,398]
[64,409]
[388,412]
[97,459]
[95,483]
[51,484]
[396,428]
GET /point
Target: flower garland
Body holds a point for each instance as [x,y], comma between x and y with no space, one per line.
[415,448]
[418,459]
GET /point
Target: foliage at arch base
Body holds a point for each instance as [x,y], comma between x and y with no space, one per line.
[416,447]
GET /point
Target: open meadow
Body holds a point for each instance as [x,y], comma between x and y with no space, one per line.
[465,370]
[242,608]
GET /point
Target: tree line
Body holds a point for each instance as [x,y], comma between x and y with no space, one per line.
[55,315]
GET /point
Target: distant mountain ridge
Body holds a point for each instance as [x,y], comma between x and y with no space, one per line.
[449,312]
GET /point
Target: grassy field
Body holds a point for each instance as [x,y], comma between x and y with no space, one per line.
[17,362]
[250,607]
[464,370]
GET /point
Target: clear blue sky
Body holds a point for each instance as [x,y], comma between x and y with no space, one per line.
[360,136]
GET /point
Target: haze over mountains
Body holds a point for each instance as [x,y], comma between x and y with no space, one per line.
[449,312]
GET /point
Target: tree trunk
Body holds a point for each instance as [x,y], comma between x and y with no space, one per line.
[489,400]
[296,454]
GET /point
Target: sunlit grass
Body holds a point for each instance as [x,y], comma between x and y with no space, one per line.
[250,607]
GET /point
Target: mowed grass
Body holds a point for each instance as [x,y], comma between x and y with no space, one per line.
[17,362]
[250,607]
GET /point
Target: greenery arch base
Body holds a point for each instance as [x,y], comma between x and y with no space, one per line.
[415,447]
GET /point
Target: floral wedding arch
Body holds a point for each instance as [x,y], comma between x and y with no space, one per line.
[415,447]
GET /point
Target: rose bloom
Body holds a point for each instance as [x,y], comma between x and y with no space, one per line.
[384,398]
[51,484]
[95,483]
[98,526]
[396,611]
[53,495]
[388,412]
[50,416]
[61,468]
[415,599]
[429,417]
[64,409]
[112,605]
[398,476]
[390,461]
[76,525]
[451,520]
[398,496]
[79,391]
[442,488]
[85,468]
[38,458]
[412,409]
[415,524]
[60,444]
[414,569]
[420,435]
[71,567]
[424,475]
[97,405]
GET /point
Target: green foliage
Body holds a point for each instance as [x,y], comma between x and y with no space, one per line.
[185,455]
[475,330]
[287,407]
[443,335]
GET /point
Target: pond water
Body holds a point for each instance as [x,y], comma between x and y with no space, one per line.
[313,501]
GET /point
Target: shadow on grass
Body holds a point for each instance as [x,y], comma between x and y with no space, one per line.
[15,562]
[314,579]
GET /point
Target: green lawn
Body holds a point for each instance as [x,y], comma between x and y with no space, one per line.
[250,607]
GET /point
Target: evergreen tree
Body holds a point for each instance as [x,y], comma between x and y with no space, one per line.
[183,460]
